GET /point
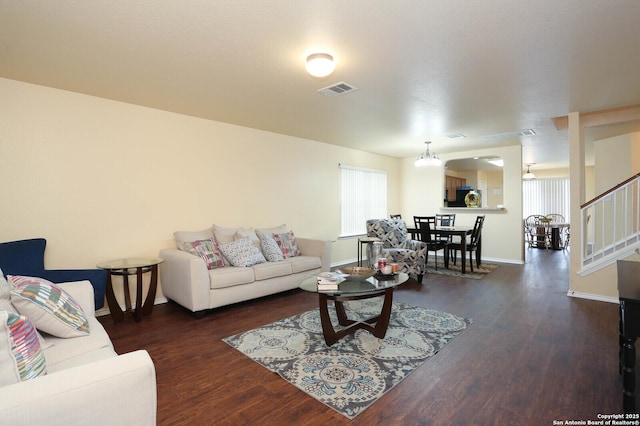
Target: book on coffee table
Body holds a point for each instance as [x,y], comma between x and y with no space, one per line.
[329,280]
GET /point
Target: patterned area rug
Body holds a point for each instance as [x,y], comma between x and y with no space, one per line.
[358,369]
[456,270]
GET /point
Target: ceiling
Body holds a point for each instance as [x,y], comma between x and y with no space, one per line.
[424,69]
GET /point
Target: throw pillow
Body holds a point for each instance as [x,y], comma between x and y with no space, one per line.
[242,253]
[208,250]
[244,233]
[182,237]
[21,357]
[287,243]
[270,249]
[224,235]
[270,231]
[49,307]
[5,305]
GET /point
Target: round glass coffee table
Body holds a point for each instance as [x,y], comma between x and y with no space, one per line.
[355,290]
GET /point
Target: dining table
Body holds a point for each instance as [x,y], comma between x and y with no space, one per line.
[556,230]
[454,231]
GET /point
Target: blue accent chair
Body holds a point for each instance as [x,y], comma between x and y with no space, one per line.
[26,257]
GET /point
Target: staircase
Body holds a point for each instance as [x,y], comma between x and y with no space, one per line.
[610,226]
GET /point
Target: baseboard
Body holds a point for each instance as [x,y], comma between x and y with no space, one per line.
[104,311]
[590,296]
[496,260]
[347,262]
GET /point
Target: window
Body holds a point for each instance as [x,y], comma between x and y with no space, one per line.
[363,197]
[545,196]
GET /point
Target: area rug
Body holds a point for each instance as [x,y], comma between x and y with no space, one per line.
[358,369]
[456,270]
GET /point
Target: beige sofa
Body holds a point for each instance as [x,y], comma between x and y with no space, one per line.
[86,382]
[186,279]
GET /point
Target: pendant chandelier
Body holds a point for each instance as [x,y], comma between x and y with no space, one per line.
[529,175]
[427,159]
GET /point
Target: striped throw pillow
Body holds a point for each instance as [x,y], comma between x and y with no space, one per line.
[21,356]
[49,307]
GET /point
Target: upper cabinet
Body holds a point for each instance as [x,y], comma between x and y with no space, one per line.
[451,183]
[483,174]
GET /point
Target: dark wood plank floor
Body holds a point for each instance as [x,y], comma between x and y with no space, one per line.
[532,355]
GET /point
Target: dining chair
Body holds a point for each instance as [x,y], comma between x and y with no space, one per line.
[446,219]
[471,245]
[417,220]
[433,244]
[566,238]
[396,216]
[536,231]
[556,217]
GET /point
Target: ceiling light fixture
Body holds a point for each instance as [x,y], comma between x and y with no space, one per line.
[529,175]
[428,159]
[320,64]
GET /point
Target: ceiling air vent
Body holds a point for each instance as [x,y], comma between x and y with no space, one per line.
[517,133]
[338,89]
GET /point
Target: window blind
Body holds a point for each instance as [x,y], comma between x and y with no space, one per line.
[363,196]
[546,196]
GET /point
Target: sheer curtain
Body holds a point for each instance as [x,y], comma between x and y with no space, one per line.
[363,196]
[545,196]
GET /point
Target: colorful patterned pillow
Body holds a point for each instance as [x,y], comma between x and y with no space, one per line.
[50,308]
[287,243]
[21,356]
[270,249]
[242,252]
[208,250]
[6,305]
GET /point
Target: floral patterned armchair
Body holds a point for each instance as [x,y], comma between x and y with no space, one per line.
[410,255]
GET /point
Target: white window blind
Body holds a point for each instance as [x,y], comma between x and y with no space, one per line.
[545,196]
[363,197]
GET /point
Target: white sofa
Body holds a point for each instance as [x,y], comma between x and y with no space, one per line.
[186,280]
[87,382]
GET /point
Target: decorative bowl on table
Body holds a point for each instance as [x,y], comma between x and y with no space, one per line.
[357,273]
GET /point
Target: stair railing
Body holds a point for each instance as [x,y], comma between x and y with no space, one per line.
[610,225]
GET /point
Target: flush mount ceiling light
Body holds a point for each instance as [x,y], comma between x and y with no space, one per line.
[320,64]
[428,159]
[529,175]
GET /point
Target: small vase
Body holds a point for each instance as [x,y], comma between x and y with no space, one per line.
[374,252]
[472,199]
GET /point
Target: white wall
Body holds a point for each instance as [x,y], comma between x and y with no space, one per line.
[502,235]
[615,160]
[102,179]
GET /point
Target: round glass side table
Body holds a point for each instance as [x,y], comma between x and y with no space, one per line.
[137,266]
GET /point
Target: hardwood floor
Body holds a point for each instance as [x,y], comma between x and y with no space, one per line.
[532,355]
